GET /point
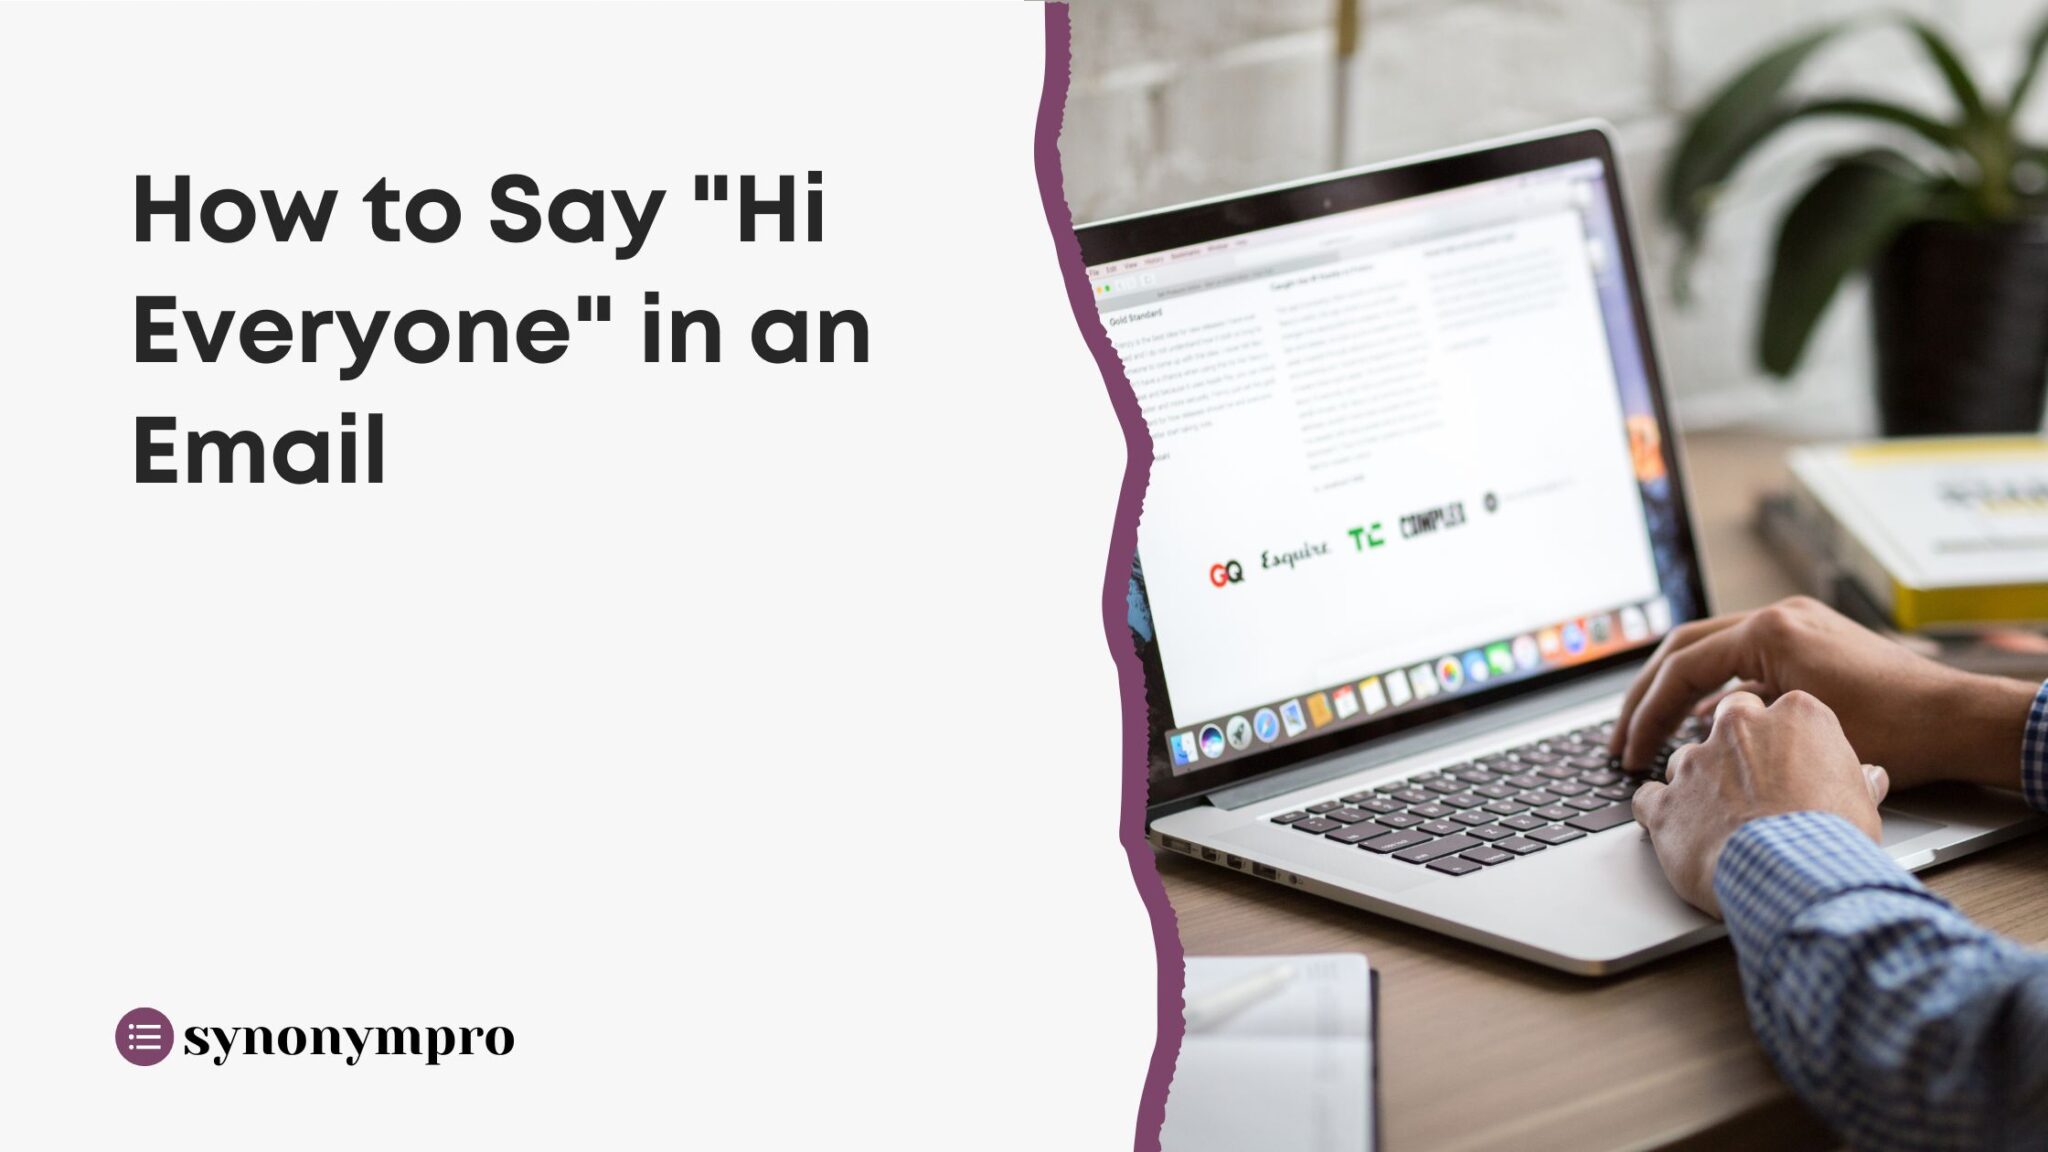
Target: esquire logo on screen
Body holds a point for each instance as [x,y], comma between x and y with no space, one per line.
[146,1036]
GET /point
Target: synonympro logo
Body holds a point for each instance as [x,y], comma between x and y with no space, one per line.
[144,1037]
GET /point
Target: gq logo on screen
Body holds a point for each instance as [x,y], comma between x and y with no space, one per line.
[145,1036]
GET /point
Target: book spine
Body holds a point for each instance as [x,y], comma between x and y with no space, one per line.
[1850,556]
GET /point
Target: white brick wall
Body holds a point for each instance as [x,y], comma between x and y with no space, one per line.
[1174,99]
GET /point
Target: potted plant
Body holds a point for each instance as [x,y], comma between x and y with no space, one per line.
[1954,231]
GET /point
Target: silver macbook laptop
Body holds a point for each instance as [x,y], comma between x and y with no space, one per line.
[1415,519]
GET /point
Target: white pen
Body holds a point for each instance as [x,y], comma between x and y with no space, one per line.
[1216,1007]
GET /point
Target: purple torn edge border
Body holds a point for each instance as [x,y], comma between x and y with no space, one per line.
[1123,545]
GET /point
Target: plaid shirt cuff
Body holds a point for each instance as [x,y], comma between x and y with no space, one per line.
[2034,753]
[1776,868]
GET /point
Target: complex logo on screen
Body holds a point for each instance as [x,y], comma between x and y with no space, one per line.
[1228,572]
[1436,519]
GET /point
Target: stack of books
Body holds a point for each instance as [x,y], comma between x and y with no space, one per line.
[1941,541]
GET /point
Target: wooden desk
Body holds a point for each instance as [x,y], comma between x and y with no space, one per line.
[1482,1052]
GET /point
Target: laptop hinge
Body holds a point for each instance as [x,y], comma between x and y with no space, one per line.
[1312,772]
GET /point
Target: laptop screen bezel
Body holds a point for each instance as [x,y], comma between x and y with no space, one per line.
[1134,236]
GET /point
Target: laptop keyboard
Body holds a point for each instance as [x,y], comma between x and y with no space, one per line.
[1493,810]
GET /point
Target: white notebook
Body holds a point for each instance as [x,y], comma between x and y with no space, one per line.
[1278,1056]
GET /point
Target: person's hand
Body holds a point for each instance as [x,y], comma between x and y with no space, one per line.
[1759,761]
[1923,721]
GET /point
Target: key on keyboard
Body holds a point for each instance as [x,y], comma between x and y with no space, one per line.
[1612,816]
[1394,842]
[1445,846]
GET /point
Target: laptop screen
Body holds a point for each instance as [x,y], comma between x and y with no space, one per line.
[1409,457]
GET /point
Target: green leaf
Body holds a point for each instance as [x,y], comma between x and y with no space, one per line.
[1952,69]
[1933,130]
[1702,166]
[2037,45]
[1742,113]
[1839,225]
[1706,171]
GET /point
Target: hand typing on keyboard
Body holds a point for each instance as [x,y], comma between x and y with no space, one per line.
[1923,721]
[1789,756]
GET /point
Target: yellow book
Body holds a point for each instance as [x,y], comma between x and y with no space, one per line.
[1939,532]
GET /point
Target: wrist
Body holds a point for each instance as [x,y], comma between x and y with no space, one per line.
[1983,720]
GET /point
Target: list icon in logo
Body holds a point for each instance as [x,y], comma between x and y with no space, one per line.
[1212,741]
[143,1036]
[1290,715]
[1266,724]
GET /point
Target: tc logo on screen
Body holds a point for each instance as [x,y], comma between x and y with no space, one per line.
[143,1036]
[1228,572]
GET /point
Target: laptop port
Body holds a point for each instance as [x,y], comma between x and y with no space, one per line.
[1234,862]
[1265,872]
[1209,854]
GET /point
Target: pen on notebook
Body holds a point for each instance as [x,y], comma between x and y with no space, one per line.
[1214,1008]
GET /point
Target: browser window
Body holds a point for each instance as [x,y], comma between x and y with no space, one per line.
[1394,458]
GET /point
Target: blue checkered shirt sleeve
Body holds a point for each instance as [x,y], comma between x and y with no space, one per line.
[2034,753]
[1899,1021]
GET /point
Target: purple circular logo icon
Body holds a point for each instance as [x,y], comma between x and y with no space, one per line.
[143,1036]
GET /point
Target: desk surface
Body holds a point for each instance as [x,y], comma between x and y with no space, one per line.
[1479,1051]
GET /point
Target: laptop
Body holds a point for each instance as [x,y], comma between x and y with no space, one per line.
[1416,518]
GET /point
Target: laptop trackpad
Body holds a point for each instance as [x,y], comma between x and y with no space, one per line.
[1899,828]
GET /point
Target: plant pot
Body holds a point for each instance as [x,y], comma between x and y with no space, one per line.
[1960,314]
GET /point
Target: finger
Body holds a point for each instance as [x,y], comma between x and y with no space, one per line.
[1683,636]
[1648,806]
[1675,766]
[1737,700]
[1713,699]
[1879,781]
[1686,676]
